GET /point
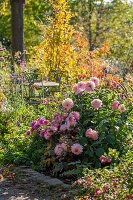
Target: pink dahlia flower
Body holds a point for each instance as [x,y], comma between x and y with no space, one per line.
[71,121]
[56,114]
[103,159]
[81,85]
[114,84]
[42,132]
[47,136]
[67,104]
[95,80]
[64,116]
[46,121]
[32,129]
[96,103]
[53,128]
[28,132]
[36,126]
[77,149]
[97,192]
[41,120]
[115,105]
[75,88]
[33,123]
[122,107]
[58,150]
[63,127]
[57,118]
[90,86]
[91,134]
[79,92]
[109,160]
[64,146]
[76,115]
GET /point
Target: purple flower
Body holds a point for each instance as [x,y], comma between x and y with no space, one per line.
[33,123]
[36,126]
[42,132]
[41,120]
[1,58]
[28,132]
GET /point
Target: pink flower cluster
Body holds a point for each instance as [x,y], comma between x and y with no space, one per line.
[63,123]
[121,107]
[35,125]
[103,159]
[75,149]
[89,86]
[91,134]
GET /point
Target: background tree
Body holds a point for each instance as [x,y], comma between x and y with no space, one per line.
[110,21]
[17,24]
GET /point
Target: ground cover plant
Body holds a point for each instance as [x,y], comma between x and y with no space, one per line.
[113,183]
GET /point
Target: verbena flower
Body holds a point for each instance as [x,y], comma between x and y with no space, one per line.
[115,105]
[95,80]
[77,149]
[122,107]
[96,103]
[67,104]
[89,86]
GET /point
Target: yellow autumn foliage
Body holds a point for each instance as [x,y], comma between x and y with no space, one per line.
[55,50]
[63,48]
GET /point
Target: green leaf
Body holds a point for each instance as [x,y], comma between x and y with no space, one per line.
[100,151]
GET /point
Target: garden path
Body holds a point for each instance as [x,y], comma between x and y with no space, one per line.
[31,185]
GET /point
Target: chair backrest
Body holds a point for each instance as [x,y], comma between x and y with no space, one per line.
[58,76]
[31,77]
[30,89]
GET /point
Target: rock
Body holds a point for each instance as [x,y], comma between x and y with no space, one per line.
[36,176]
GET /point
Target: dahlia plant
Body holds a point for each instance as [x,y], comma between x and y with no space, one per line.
[85,128]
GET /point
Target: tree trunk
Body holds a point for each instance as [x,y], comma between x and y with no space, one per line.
[17,20]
